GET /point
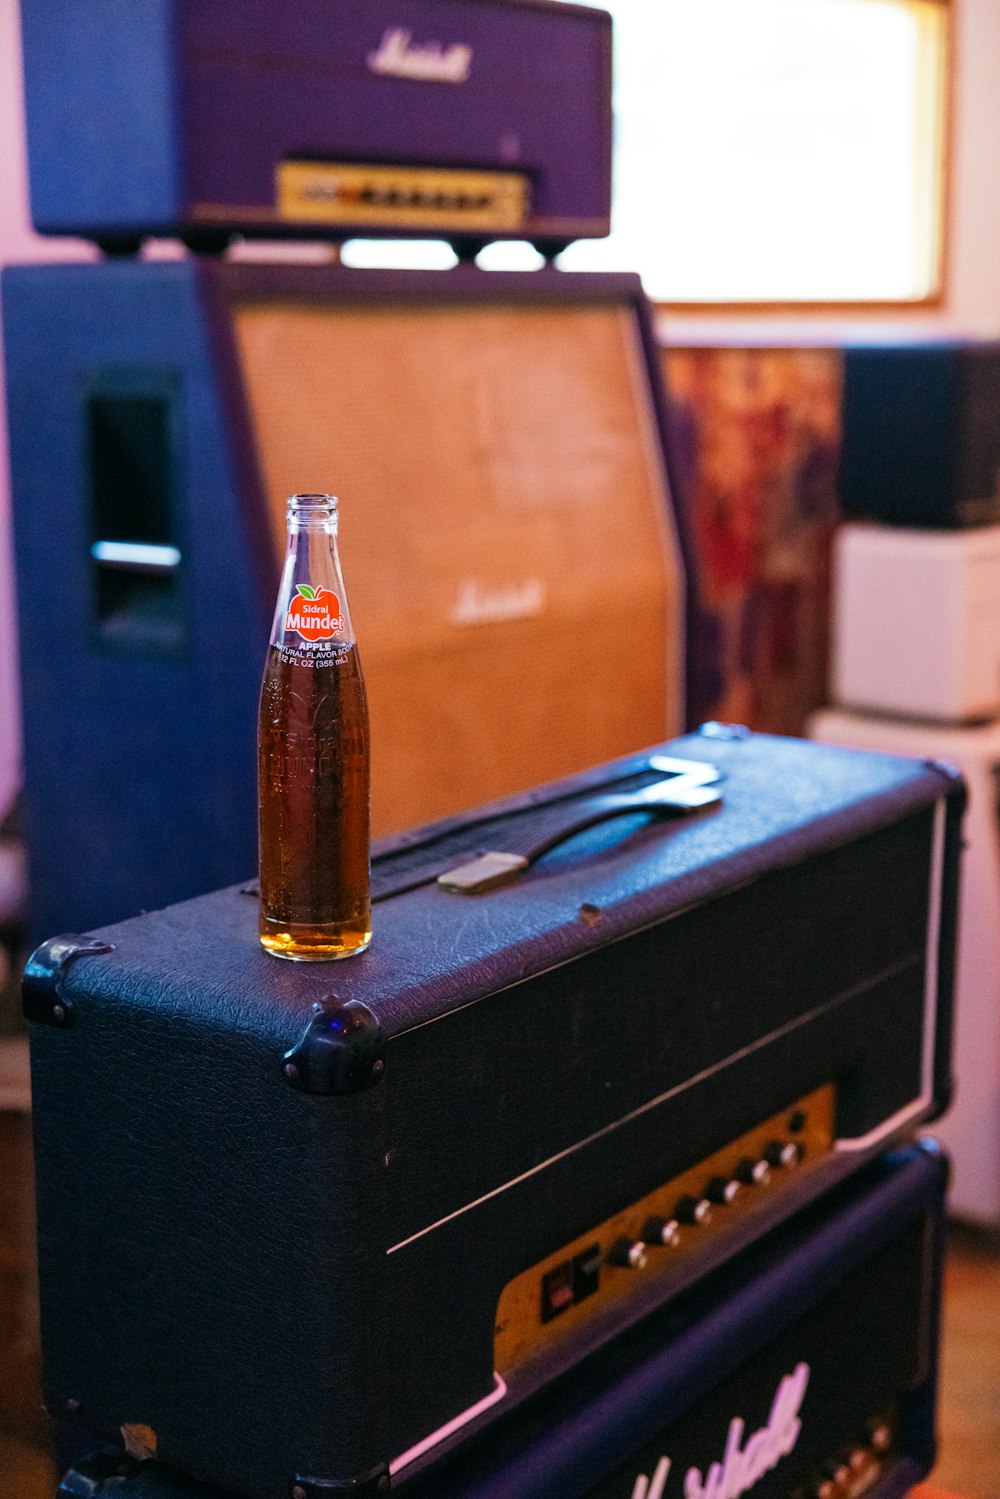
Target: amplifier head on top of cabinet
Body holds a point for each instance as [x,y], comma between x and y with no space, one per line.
[572,1096]
[469,120]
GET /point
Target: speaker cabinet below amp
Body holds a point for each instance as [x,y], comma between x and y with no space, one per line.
[511,549]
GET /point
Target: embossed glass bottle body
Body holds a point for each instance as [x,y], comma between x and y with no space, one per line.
[313,755]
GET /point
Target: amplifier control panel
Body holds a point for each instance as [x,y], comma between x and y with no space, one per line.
[432,199]
[605,1265]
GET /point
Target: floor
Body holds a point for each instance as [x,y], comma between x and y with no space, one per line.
[26,1471]
[969,1462]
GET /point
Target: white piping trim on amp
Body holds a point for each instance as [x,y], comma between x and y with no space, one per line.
[411,1454]
[920,1105]
[652,1103]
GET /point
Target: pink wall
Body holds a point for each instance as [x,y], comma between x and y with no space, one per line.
[17,243]
[973,252]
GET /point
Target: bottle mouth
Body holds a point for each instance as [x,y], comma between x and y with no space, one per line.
[312,504]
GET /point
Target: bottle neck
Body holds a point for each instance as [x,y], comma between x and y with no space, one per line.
[312,514]
[312,608]
[311,548]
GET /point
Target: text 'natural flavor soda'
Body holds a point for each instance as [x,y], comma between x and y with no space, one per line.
[313,755]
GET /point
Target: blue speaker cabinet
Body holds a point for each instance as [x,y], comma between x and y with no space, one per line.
[515,565]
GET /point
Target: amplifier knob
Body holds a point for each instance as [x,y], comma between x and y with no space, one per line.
[881,1437]
[630,1254]
[753,1173]
[859,1460]
[661,1231]
[696,1210]
[722,1189]
[784,1153]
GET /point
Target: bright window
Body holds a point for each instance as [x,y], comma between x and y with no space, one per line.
[784,151]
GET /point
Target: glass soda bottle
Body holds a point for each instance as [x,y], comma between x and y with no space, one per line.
[313,755]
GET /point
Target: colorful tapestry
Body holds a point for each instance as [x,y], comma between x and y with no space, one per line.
[755,436]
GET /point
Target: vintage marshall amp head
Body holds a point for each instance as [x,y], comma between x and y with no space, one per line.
[806,1370]
[468,120]
[509,540]
[302,1224]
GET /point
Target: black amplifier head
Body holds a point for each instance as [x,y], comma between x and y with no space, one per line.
[575,1095]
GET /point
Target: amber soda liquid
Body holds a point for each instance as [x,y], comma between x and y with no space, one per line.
[313,755]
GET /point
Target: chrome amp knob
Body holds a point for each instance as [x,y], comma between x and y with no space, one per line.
[630,1254]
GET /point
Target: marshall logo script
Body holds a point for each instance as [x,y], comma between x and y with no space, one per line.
[741,1467]
[479,605]
[430,62]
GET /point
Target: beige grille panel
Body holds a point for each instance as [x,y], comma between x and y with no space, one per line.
[508,550]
